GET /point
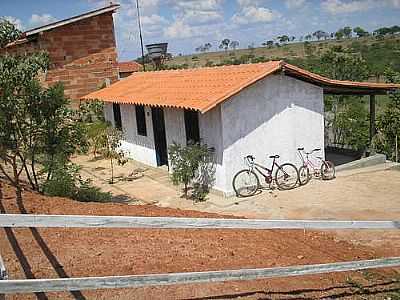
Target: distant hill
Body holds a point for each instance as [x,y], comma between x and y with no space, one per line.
[379,52]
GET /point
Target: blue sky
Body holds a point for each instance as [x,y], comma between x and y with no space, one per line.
[186,24]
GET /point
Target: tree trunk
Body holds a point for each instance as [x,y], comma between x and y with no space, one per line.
[112,171]
[17,184]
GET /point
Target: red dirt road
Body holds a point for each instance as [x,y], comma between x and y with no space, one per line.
[53,253]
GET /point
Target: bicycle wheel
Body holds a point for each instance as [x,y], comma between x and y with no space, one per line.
[245,183]
[327,170]
[304,175]
[287,176]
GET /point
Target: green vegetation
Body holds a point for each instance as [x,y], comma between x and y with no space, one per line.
[39,131]
[193,164]
[389,121]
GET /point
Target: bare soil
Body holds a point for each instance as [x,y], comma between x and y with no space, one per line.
[57,252]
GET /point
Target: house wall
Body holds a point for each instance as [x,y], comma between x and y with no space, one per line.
[274,116]
[82,54]
[211,134]
[138,147]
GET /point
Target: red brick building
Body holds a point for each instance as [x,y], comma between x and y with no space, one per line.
[82,50]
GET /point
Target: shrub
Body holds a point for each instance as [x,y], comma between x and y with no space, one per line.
[66,182]
[193,164]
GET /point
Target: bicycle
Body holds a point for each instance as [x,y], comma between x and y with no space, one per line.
[326,170]
[246,183]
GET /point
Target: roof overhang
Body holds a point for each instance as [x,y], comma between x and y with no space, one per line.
[27,35]
[339,87]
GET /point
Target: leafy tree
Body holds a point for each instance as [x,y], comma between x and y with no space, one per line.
[207,46]
[283,39]
[269,44]
[320,34]
[38,130]
[111,148]
[224,44]
[339,34]
[8,32]
[234,44]
[360,32]
[347,32]
[387,30]
[389,122]
[192,164]
[349,120]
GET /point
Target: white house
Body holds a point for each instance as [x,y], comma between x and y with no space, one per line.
[259,109]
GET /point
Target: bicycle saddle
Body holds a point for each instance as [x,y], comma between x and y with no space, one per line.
[250,157]
[317,149]
[274,156]
[300,149]
[319,157]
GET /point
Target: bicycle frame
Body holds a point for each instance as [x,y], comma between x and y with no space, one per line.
[309,164]
[261,169]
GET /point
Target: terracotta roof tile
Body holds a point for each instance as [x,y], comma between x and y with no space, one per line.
[204,88]
[129,67]
[200,89]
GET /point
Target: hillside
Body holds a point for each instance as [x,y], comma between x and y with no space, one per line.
[379,52]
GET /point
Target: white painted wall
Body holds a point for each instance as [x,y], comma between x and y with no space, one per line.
[108,113]
[137,147]
[210,127]
[274,116]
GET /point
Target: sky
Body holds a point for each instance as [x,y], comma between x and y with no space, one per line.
[187,24]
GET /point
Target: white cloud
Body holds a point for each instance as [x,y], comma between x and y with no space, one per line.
[252,14]
[179,30]
[294,3]
[196,12]
[17,22]
[335,7]
[40,20]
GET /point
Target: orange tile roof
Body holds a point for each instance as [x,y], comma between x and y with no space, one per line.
[304,74]
[129,66]
[204,88]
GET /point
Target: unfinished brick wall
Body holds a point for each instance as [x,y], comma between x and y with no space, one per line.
[82,54]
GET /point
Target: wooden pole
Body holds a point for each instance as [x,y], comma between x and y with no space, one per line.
[135,281]
[397,151]
[140,34]
[3,276]
[77,221]
[372,125]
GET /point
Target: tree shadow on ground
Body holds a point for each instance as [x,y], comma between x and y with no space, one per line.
[58,268]
[333,292]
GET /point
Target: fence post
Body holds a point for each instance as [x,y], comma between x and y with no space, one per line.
[3,275]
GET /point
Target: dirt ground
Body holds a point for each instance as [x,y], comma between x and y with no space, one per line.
[371,193]
[57,252]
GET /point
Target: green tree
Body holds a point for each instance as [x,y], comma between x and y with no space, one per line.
[234,44]
[8,32]
[339,34]
[224,44]
[389,122]
[360,31]
[346,116]
[112,138]
[192,164]
[37,127]
[347,32]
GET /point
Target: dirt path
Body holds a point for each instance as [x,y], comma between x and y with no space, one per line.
[52,253]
